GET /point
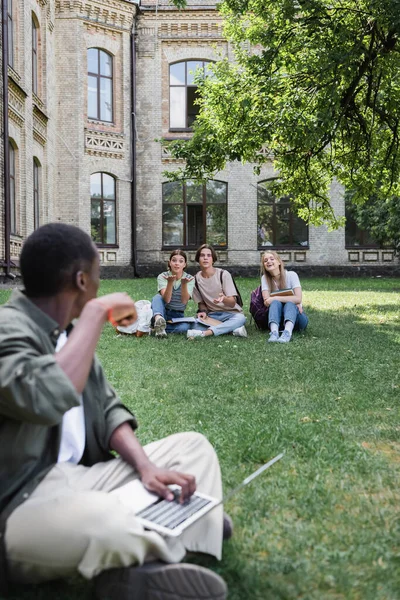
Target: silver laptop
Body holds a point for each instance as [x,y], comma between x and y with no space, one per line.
[171,518]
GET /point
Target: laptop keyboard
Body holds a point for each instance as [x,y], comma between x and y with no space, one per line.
[172,514]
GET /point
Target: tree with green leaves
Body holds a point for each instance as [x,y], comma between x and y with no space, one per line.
[316,86]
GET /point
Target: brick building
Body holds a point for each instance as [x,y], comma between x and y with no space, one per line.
[91,87]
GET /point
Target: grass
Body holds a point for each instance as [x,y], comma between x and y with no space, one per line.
[324,522]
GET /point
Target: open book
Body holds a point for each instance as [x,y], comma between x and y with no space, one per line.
[284,292]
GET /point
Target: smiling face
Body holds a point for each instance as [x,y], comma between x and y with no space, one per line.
[205,258]
[176,265]
[271,262]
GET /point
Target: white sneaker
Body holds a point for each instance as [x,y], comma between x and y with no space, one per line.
[194,333]
[240,331]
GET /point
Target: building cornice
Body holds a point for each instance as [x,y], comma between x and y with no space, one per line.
[112,13]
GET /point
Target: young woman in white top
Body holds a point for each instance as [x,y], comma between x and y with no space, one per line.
[286,311]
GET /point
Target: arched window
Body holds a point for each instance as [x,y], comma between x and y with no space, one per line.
[195,213]
[100,85]
[103,209]
[35,50]
[10,31]
[277,224]
[36,192]
[183,92]
[13,187]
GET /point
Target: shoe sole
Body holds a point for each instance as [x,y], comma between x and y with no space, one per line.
[157,581]
[159,325]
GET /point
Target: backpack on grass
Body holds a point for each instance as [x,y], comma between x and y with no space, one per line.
[258,310]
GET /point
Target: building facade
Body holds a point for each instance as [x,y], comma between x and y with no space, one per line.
[91,89]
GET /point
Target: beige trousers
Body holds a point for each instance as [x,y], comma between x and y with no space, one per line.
[72,524]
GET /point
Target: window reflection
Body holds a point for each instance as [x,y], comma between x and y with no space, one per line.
[103,209]
[277,223]
[100,85]
[194,213]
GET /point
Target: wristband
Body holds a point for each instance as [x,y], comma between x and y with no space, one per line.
[110,318]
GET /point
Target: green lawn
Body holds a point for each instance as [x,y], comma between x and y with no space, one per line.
[324,522]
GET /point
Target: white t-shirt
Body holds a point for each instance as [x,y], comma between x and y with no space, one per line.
[73,436]
[292,281]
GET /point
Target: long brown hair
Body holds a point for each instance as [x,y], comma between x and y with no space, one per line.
[271,281]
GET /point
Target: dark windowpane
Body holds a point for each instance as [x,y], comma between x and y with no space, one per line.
[299,231]
[216,224]
[198,214]
[194,192]
[103,209]
[282,219]
[172,192]
[177,74]
[277,223]
[95,221]
[354,235]
[265,225]
[192,108]
[36,191]
[172,225]
[195,233]
[13,199]
[216,192]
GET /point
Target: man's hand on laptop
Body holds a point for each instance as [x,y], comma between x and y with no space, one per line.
[157,480]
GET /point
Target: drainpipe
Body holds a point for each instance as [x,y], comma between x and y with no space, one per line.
[133,143]
[7,209]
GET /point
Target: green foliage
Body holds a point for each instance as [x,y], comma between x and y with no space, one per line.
[179,3]
[316,84]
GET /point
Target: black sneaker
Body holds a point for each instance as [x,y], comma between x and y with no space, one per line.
[160,581]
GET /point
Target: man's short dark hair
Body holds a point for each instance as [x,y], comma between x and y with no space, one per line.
[52,255]
[202,247]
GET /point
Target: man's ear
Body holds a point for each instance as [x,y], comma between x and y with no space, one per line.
[81,281]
